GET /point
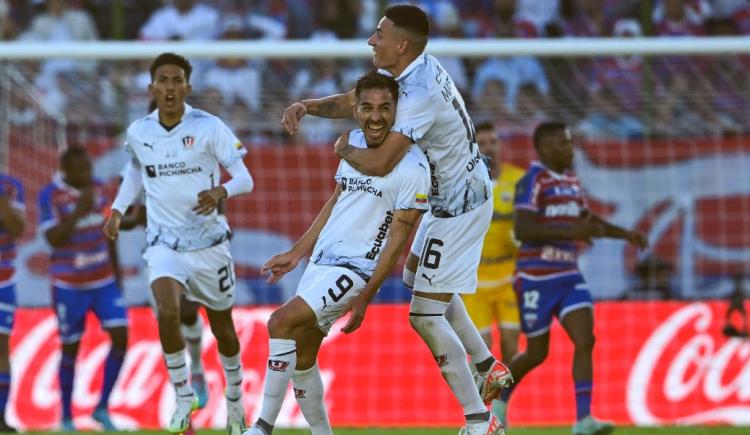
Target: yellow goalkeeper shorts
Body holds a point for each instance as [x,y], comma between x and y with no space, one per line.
[490,305]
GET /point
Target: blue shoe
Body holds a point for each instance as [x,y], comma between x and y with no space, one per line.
[67,425]
[198,382]
[102,416]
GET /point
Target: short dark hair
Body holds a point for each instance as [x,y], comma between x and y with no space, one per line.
[71,153]
[171,59]
[375,80]
[484,125]
[412,19]
[546,129]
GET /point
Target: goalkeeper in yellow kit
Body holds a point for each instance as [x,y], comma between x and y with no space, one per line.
[495,301]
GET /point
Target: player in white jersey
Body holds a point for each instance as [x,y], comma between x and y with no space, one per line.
[355,241]
[447,248]
[176,152]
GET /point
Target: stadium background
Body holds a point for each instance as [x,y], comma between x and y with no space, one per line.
[663,147]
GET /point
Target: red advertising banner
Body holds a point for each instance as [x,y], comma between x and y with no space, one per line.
[655,363]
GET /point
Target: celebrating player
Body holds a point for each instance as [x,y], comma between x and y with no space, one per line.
[551,220]
[176,154]
[85,274]
[355,241]
[11,227]
[447,246]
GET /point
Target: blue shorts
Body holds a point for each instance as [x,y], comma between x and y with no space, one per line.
[7,308]
[71,307]
[540,299]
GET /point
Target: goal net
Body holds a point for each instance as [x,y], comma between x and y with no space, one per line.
[662,146]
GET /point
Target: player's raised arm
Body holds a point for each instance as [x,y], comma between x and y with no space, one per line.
[282,263]
[378,161]
[332,106]
[615,232]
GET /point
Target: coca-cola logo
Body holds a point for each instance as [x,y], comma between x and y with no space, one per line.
[687,372]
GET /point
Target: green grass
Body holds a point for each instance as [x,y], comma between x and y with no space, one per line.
[672,430]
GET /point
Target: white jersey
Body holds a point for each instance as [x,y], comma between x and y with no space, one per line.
[358,226]
[432,114]
[175,166]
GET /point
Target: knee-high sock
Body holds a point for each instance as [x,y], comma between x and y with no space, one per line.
[308,390]
[427,318]
[112,367]
[282,359]
[178,374]
[467,332]
[193,336]
[67,376]
[233,375]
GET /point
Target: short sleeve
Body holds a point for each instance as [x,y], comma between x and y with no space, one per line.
[414,183]
[337,177]
[225,145]
[47,215]
[414,115]
[527,193]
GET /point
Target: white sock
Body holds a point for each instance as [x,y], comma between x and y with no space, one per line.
[427,318]
[466,331]
[308,390]
[282,358]
[178,374]
[193,337]
[233,375]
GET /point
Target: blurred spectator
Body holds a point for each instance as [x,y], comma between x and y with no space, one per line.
[588,19]
[741,19]
[539,12]
[319,80]
[513,72]
[8,27]
[120,19]
[606,119]
[59,22]
[530,110]
[680,18]
[448,25]
[490,105]
[182,19]
[278,19]
[505,22]
[338,17]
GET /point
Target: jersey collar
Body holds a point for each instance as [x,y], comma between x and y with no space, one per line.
[555,175]
[421,59]
[155,114]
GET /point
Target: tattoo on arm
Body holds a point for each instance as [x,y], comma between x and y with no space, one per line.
[326,108]
[346,154]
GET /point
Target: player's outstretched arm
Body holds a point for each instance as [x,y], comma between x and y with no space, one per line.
[11,218]
[282,263]
[615,232]
[404,222]
[528,229]
[333,106]
[378,161]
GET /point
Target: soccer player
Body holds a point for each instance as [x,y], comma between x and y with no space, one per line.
[495,300]
[552,220]
[176,152]
[11,227]
[85,274]
[356,239]
[448,244]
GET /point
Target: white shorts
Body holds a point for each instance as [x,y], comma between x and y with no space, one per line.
[207,274]
[449,250]
[328,290]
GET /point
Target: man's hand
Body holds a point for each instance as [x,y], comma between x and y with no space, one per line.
[637,239]
[209,199]
[85,202]
[111,228]
[279,265]
[341,144]
[292,116]
[358,307]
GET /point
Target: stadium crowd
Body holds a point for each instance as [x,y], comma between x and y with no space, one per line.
[603,97]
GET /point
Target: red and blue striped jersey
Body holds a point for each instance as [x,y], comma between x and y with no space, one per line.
[12,189]
[84,260]
[558,200]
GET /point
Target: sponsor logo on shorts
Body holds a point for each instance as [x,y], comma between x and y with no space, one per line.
[530,319]
[277,365]
[441,360]
[300,394]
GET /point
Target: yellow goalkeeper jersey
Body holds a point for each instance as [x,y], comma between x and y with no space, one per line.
[499,249]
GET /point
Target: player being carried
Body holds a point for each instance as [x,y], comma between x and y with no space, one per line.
[176,152]
[552,220]
[356,239]
[448,244]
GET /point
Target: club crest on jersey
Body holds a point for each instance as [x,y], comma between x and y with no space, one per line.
[188,142]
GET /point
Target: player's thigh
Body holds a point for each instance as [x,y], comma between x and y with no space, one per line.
[451,251]
[479,308]
[163,262]
[71,307]
[188,310]
[7,308]
[327,290]
[212,277]
[577,311]
[109,306]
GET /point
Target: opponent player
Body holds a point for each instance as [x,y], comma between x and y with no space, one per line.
[11,227]
[552,220]
[355,241]
[176,154]
[85,274]
[448,244]
[495,301]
